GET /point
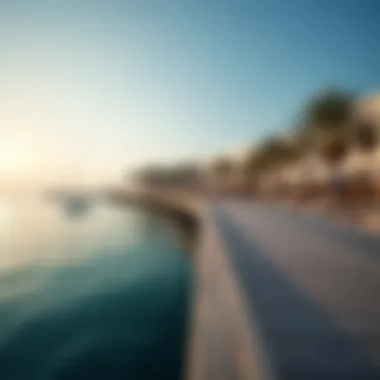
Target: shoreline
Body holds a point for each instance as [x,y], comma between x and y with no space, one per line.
[184,222]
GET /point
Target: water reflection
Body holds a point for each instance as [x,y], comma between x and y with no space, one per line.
[97,297]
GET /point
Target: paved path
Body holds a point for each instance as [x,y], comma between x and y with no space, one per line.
[312,287]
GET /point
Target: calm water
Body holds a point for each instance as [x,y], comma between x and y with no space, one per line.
[97,297]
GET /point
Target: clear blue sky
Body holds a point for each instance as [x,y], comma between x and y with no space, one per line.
[95,86]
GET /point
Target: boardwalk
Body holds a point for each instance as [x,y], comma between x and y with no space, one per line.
[284,296]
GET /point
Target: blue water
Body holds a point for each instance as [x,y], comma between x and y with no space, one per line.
[102,296]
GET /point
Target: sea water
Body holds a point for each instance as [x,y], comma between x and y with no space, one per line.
[104,295]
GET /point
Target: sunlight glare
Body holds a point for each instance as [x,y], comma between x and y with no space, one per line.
[12,161]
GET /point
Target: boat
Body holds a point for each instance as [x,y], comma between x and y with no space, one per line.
[77,205]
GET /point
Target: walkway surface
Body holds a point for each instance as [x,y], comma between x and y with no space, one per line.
[310,287]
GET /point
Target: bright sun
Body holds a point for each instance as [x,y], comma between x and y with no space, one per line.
[12,161]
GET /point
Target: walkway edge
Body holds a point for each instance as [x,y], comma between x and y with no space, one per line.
[224,344]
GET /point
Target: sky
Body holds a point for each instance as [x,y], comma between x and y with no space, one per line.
[91,88]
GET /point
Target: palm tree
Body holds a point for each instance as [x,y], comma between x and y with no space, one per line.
[328,118]
[155,175]
[255,164]
[222,169]
[330,111]
[252,167]
[334,148]
[186,174]
[273,154]
[266,156]
[366,136]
